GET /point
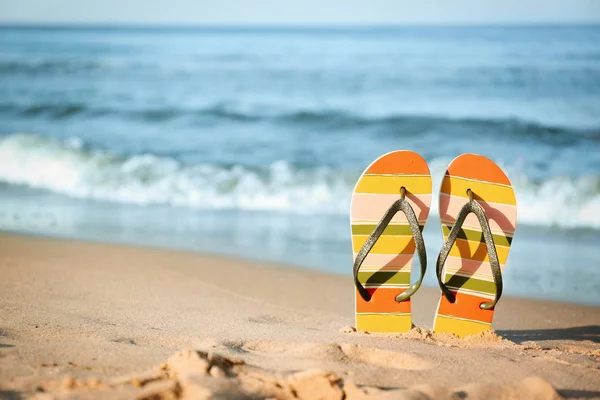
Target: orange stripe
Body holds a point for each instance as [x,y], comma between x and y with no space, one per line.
[383,300]
[399,162]
[466,306]
[474,166]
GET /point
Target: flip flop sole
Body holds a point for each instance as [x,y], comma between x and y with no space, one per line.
[467,271]
[385,272]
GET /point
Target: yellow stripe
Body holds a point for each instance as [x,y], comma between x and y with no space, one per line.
[476,275]
[383,322]
[476,247]
[487,191]
[386,184]
[385,244]
[459,327]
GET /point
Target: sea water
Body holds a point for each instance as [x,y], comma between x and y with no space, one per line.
[248,141]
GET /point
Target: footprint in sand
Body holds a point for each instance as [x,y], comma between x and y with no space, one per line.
[339,353]
[384,358]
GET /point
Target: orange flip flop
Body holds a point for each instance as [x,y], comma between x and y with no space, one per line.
[478,209]
[390,205]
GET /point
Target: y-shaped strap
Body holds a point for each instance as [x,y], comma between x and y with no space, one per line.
[471,207]
[399,205]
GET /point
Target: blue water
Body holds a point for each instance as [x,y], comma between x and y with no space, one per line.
[248,141]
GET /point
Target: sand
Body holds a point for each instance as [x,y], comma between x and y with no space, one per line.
[89,320]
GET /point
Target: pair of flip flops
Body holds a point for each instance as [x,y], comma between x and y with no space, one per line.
[390,205]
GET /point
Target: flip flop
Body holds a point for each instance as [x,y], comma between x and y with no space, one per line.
[390,205]
[476,246]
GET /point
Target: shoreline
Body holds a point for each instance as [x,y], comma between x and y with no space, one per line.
[254,258]
[90,310]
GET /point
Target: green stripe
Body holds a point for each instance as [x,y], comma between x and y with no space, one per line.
[476,236]
[477,285]
[381,277]
[395,230]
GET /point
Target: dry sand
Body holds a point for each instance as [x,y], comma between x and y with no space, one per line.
[88,320]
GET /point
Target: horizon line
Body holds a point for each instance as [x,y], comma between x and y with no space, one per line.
[299,25]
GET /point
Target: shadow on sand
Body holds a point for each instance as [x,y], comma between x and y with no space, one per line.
[580,333]
[10,395]
[590,332]
[578,394]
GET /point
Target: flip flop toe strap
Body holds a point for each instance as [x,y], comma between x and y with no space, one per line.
[471,207]
[399,205]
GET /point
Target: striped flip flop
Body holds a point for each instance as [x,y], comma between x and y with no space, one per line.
[390,205]
[478,210]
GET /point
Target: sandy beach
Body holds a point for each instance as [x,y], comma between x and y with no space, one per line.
[90,320]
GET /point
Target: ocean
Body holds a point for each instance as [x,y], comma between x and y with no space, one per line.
[248,141]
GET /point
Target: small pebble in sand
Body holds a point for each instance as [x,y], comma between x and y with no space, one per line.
[348,329]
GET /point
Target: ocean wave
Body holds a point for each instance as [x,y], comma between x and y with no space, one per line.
[200,63]
[69,168]
[332,119]
[35,67]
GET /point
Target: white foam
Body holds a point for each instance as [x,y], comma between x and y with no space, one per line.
[68,168]
[40,162]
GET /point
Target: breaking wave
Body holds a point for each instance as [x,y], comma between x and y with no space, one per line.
[72,169]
